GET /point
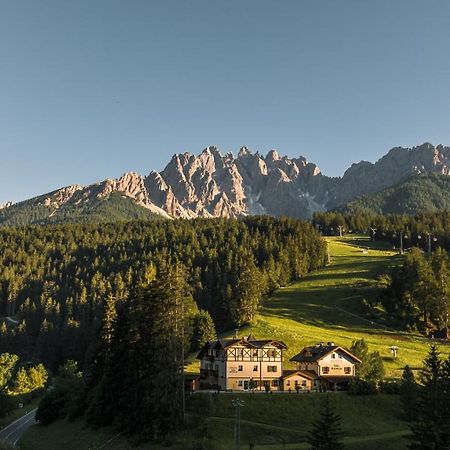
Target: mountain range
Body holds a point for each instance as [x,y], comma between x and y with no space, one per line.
[213,184]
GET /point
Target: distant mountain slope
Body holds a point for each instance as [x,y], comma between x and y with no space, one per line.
[212,184]
[421,193]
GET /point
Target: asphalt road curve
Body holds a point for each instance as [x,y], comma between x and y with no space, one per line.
[14,431]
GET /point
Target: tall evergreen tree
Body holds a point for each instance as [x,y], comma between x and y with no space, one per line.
[326,433]
[429,425]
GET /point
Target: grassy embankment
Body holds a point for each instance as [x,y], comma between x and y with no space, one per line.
[270,421]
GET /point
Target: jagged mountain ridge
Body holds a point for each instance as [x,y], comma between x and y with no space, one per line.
[214,185]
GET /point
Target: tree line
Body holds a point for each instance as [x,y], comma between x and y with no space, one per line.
[416,229]
[56,280]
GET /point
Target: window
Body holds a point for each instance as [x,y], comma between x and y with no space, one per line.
[274,383]
[340,356]
[239,382]
[255,368]
[216,367]
[271,368]
[333,355]
[347,370]
[303,382]
[240,368]
[255,353]
[325,369]
[288,383]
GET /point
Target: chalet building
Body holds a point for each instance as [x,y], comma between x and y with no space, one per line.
[332,365]
[299,380]
[241,364]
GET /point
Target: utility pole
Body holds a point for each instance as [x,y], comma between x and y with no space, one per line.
[237,403]
[429,236]
[374,231]
[340,227]
[401,240]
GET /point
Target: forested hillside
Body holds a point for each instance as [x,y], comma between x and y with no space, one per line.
[56,280]
[114,207]
[417,194]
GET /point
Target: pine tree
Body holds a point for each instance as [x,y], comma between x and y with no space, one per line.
[157,345]
[326,433]
[428,427]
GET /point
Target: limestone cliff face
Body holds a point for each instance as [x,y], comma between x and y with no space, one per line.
[215,185]
[6,205]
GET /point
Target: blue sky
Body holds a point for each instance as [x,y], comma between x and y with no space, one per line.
[90,89]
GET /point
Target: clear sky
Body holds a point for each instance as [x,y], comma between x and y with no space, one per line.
[90,89]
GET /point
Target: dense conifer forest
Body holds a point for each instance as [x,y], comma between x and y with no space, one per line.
[56,281]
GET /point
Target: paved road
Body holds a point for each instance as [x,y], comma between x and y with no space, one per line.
[14,431]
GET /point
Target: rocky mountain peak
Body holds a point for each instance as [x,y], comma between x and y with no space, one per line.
[210,184]
[272,156]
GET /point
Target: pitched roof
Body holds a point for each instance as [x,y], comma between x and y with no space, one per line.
[249,342]
[303,373]
[316,352]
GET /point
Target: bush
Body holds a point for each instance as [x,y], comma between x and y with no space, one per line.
[7,404]
[361,387]
[51,407]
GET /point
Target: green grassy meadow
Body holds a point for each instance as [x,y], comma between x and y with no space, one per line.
[324,306]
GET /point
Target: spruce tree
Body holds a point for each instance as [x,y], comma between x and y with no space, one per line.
[429,425]
[326,433]
[157,345]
